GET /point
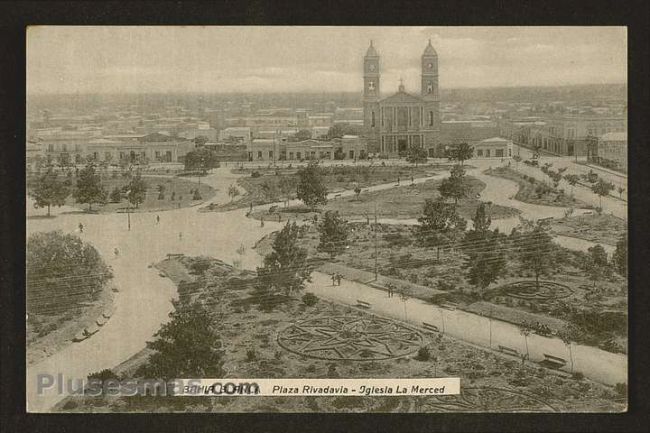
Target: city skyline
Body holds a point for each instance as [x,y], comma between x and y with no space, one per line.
[65,59]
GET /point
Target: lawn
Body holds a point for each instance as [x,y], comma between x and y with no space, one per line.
[176,194]
[252,348]
[403,202]
[534,191]
[263,185]
[606,229]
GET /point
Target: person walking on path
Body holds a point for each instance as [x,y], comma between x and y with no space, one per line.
[180,236]
[398,180]
[81,228]
[338,279]
[116,252]
[262,221]
[157,219]
[333,279]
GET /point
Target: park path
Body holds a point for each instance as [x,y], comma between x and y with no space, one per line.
[597,364]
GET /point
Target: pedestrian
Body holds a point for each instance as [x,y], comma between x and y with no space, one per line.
[116,252]
[333,278]
[180,235]
[157,219]
[398,180]
[412,180]
[262,221]
[279,217]
[338,279]
[81,228]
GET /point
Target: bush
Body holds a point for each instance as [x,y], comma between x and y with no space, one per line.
[251,355]
[103,375]
[309,299]
[423,354]
[256,174]
[578,375]
[621,389]
[197,195]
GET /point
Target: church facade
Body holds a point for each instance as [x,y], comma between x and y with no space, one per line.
[395,124]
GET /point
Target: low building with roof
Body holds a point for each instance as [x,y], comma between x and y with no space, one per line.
[495,147]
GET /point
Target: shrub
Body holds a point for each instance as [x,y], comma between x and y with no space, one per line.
[103,375]
[578,375]
[255,173]
[251,355]
[309,299]
[197,195]
[423,354]
[621,389]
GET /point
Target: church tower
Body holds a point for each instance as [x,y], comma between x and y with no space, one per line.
[371,95]
[430,96]
[430,73]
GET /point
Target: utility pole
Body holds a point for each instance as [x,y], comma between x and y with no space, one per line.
[375,229]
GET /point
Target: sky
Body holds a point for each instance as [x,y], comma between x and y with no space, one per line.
[103,59]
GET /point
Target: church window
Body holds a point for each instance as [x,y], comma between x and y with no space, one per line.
[430,118]
[372,122]
[429,87]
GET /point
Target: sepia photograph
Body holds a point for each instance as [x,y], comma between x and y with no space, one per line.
[320,219]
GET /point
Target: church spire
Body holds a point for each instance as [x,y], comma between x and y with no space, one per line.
[372,52]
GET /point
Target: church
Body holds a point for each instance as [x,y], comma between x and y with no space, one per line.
[396,123]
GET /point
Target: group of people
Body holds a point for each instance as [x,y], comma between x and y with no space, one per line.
[336,279]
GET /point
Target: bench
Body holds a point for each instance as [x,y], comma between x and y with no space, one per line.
[430,327]
[363,304]
[449,305]
[174,255]
[337,196]
[554,361]
[508,350]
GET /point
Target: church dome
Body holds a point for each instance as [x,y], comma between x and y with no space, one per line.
[429,50]
[371,51]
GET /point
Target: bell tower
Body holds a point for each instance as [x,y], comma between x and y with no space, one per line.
[371,94]
[430,73]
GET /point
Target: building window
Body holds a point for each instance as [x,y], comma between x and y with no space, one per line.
[487,152]
[270,154]
[498,153]
[372,122]
[430,118]
[479,152]
[298,155]
[259,154]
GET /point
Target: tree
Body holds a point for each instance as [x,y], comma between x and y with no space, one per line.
[482,219]
[302,135]
[462,153]
[49,191]
[61,271]
[89,187]
[597,264]
[137,190]
[417,154]
[333,233]
[536,252]
[287,188]
[201,159]
[64,159]
[619,257]
[233,191]
[200,140]
[453,186]
[341,129]
[285,268]
[116,195]
[601,189]
[186,346]
[486,261]
[572,179]
[311,188]
[439,224]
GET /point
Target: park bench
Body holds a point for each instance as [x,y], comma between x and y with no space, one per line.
[508,350]
[430,327]
[554,361]
[363,304]
[174,255]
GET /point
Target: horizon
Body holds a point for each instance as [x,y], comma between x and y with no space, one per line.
[239,59]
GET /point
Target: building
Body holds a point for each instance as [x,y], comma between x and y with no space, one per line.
[309,150]
[352,147]
[394,124]
[610,150]
[495,147]
[566,134]
[320,132]
[238,134]
[264,149]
